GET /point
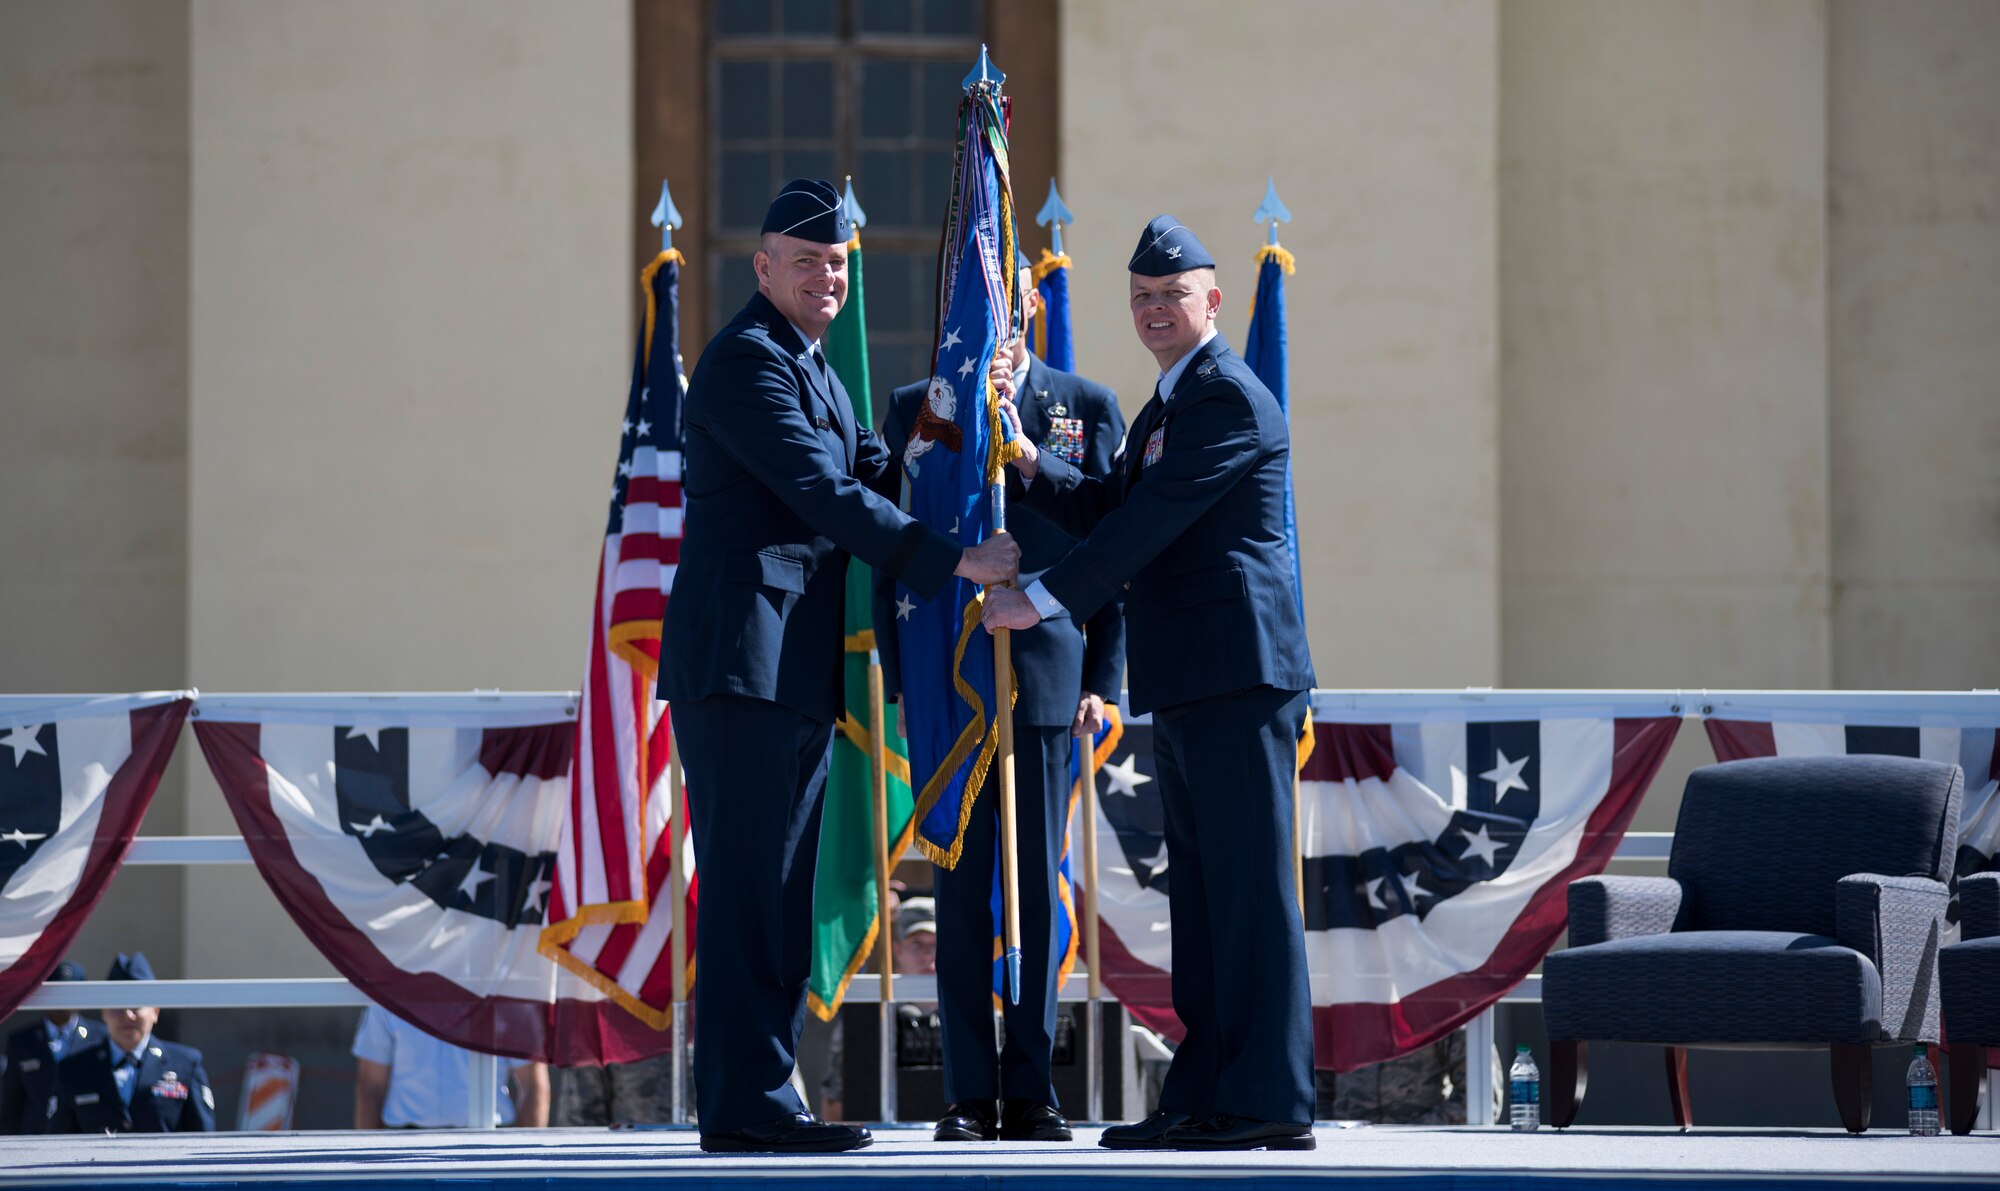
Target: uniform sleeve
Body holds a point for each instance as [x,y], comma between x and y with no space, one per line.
[1212,443]
[371,1037]
[1104,632]
[1073,501]
[199,1116]
[882,595]
[757,418]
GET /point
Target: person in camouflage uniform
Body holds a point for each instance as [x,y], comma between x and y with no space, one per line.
[638,1093]
[1424,1087]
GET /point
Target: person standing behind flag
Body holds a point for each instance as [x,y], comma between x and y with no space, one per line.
[1063,677]
[1194,525]
[780,487]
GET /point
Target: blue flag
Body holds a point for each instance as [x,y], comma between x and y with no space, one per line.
[956,452]
[1264,352]
[1051,340]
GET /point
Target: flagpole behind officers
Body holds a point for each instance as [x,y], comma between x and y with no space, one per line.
[1192,532]
[1063,671]
[780,487]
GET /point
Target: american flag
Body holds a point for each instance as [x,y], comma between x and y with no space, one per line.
[610,911]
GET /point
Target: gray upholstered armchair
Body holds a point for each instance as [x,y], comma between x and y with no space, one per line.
[1971,970]
[1802,907]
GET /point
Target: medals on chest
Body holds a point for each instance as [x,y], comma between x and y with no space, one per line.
[171,1087]
[1065,439]
[1156,446]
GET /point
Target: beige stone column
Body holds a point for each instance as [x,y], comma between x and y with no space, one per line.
[1378,121]
[1915,313]
[93,386]
[1663,450]
[411,339]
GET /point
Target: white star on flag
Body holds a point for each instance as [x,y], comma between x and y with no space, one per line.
[645,427]
[473,880]
[1158,864]
[367,830]
[1125,777]
[966,368]
[1411,887]
[18,836]
[23,742]
[950,339]
[372,735]
[537,894]
[1506,775]
[1375,894]
[904,606]
[1481,844]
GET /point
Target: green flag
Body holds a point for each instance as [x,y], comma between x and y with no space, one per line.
[844,925]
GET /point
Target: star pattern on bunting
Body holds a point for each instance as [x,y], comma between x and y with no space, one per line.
[24,740]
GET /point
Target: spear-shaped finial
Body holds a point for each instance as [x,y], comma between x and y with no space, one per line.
[1271,209]
[985,74]
[852,209]
[666,217]
[1052,216]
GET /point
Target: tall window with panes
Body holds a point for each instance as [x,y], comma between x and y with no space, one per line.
[829,88]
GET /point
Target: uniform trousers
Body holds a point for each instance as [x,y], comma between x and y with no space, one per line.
[755,773]
[1225,767]
[974,1069]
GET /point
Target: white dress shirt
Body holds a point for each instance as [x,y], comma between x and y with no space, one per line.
[427,1077]
[1049,606]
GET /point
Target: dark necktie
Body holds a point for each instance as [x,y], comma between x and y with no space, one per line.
[125,1086]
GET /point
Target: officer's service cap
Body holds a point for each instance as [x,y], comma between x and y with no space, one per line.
[809,209]
[1166,248]
[65,971]
[130,967]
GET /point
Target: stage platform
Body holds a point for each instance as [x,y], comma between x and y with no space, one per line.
[1398,1158]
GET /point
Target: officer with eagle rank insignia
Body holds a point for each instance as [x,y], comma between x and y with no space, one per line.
[1192,532]
[780,488]
[1065,671]
[130,1080]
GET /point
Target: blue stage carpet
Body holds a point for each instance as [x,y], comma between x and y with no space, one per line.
[1393,1159]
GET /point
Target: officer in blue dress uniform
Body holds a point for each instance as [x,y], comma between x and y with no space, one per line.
[128,1080]
[1192,531]
[780,487]
[1065,671]
[28,1080]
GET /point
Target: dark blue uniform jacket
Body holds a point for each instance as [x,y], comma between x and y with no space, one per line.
[1056,661]
[1198,533]
[29,1085]
[171,1094]
[780,486]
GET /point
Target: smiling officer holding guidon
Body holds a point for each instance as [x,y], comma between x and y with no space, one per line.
[780,487]
[1193,524]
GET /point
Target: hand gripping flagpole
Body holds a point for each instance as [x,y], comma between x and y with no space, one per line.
[677,892]
[986,77]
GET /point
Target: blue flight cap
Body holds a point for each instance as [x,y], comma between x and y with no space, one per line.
[130,967]
[65,971]
[810,209]
[1166,248]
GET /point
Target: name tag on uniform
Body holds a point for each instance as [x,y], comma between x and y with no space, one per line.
[1156,446]
[31,1064]
[1065,439]
[83,1098]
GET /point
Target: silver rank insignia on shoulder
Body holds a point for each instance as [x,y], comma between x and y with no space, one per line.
[1065,438]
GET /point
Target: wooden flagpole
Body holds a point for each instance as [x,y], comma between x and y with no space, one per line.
[885,926]
[1094,1062]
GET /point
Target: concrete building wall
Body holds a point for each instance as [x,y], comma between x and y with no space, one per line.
[410,341]
[1914,162]
[1378,122]
[1664,345]
[93,383]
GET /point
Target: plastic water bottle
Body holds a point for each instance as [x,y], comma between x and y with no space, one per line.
[1524,1092]
[1923,1095]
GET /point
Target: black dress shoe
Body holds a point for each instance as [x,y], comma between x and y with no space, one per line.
[1024,1120]
[1224,1132]
[800,1133]
[967,1120]
[1142,1135]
